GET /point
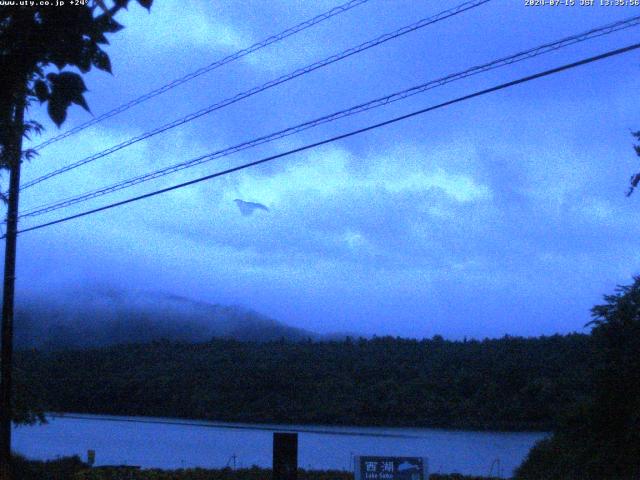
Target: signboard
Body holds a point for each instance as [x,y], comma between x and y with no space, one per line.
[391,468]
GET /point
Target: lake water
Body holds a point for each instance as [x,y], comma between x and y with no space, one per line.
[170,443]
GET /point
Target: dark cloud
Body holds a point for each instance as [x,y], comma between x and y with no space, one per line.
[505,214]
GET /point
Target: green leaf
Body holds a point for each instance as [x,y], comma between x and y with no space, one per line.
[79,100]
[100,39]
[73,80]
[41,90]
[58,61]
[30,154]
[67,88]
[84,61]
[57,110]
[106,24]
[101,60]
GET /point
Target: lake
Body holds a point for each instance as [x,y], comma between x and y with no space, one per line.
[171,443]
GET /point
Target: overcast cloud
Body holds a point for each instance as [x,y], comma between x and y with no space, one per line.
[502,215]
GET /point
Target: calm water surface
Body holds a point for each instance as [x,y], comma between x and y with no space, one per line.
[171,443]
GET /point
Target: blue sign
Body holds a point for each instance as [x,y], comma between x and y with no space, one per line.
[391,468]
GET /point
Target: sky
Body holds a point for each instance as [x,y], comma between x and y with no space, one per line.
[504,214]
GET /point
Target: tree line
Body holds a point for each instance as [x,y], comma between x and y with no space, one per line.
[599,437]
[504,384]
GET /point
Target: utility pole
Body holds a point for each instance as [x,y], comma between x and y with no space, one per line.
[13,158]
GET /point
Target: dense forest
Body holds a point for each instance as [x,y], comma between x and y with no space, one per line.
[510,383]
[599,438]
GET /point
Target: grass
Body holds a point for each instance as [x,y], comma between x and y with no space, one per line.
[72,468]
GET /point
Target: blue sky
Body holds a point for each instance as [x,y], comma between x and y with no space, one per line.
[505,214]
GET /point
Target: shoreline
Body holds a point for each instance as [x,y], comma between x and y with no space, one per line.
[329,429]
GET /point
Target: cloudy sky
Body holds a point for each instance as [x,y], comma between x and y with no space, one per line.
[505,214]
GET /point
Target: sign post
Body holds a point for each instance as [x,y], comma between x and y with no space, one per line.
[91,457]
[285,456]
[391,468]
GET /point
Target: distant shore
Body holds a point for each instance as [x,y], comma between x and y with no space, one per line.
[367,430]
[510,384]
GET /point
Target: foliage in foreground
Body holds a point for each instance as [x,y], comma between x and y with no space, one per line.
[228,474]
[60,469]
[601,439]
[72,468]
[34,38]
[203,474]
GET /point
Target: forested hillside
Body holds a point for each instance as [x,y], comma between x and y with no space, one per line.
[509,383]
[98,319]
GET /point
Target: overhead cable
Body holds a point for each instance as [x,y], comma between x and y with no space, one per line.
[376,103]
[253,91]
[201,71]
[352,133]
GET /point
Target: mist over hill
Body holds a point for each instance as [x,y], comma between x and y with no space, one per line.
[102,318]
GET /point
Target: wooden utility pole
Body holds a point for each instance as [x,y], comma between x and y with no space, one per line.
[13,158]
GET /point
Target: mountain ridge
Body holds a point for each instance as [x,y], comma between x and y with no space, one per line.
[103,318]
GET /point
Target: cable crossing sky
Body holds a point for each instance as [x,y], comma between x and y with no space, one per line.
[253,91]
[379,102]
[212,66]
[352,133]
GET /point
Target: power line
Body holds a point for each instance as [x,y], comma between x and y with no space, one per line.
[379,102]
[479,93]
[253,91]
[212,66]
